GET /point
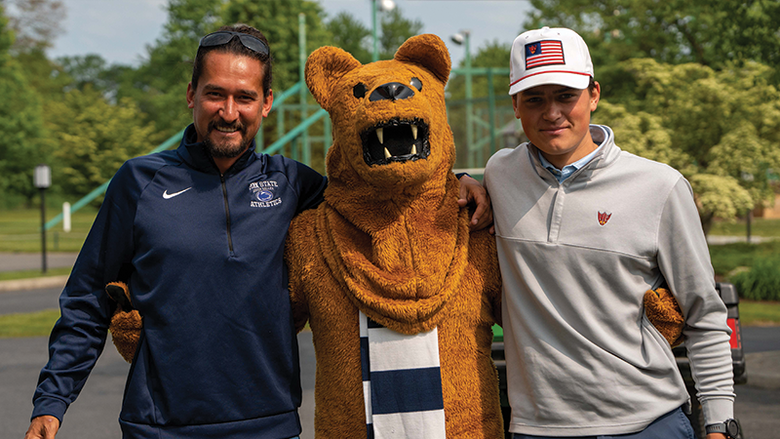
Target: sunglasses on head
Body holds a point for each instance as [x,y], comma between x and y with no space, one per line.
[223,37]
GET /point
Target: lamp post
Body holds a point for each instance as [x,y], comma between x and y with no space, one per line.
[42,180]
[381,5]
[462,38]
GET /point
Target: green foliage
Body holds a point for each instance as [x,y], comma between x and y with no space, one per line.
[21,125]
[761,282]
[395,29]
[158,86]
[93,138]
[493,54]
[719,128]
[730,258]
[673,31]
[278,20]
[351,35]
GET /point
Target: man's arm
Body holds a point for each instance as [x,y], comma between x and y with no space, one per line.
[684,260]
[79,335]
[472,191]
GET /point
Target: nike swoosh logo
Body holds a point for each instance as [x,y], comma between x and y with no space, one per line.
[168,196]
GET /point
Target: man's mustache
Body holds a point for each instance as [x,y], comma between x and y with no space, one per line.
[235,126]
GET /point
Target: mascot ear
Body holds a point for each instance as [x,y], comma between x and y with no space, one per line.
[428,51]
[324,67]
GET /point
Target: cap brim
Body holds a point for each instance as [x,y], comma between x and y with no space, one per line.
[566,79]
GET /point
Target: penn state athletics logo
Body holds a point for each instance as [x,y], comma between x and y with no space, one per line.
[263,194]
[604,217]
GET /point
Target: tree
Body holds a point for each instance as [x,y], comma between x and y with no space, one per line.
[395,30]
[36,23]
[721,129]
[675,31]
[92,138]
[351,35]
[159,84]
[278,20]
[21,126]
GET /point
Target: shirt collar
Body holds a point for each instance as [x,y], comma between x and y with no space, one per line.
[568,170]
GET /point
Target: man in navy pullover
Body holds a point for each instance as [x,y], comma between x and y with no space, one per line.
[201,232]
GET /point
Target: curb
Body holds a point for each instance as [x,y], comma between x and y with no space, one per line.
[763,369]
[33,284]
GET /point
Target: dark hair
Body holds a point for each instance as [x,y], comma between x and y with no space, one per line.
[591,85]
[237,48]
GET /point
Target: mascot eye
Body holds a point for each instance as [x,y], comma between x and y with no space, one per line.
[359,90]
[416,84]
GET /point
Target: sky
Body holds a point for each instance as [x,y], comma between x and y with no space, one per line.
[120,30]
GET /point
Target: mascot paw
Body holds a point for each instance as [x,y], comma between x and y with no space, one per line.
[664,313]
[126,322]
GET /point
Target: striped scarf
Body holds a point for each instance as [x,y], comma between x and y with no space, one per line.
[402,387]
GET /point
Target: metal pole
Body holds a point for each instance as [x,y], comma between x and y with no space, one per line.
[305,146]
[491,110]
[375,55]
[749,220]
[43,229]
[469,105]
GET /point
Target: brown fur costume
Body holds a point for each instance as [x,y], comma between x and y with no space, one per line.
[390,240]
[126,322]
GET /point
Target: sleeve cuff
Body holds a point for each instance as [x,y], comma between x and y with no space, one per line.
[49,407]
[717,410]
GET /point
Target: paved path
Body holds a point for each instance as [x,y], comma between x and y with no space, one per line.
[31,261]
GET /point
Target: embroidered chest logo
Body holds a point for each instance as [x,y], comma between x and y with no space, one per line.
[263,194]
[604,217]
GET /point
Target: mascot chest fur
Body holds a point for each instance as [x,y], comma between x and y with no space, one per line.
[390,241]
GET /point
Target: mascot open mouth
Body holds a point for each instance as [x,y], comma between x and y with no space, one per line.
[395,141]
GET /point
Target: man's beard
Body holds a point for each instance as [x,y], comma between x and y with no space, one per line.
[226,150]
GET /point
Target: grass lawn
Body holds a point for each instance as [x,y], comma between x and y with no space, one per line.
[759,227]
[20,230]
[28,325]
[27,274]
[759,313]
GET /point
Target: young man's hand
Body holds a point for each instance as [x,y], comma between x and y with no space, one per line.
[43,427]
[472,191]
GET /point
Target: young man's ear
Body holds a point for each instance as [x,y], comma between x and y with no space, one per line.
[595,95]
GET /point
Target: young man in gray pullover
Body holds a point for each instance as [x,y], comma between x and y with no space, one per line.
[583,230]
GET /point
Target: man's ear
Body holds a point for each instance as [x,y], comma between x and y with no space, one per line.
[324,67]
[268,102]
[595,96]
[190,96]
[428,51]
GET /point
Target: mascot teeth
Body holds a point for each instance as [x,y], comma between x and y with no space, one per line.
[395,141]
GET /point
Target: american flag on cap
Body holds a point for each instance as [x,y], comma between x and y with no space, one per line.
[543,53]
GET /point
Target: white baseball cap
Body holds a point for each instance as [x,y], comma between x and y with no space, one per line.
[549,56]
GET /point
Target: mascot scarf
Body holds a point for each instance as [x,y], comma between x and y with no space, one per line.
[401,383]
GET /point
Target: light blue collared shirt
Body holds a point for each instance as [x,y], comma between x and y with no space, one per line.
[563,174]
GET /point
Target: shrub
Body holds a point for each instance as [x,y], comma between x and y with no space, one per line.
[761,282]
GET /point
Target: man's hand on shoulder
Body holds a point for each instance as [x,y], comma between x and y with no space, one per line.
[43,427]
[472,191]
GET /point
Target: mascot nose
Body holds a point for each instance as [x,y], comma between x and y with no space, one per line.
[392,90]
